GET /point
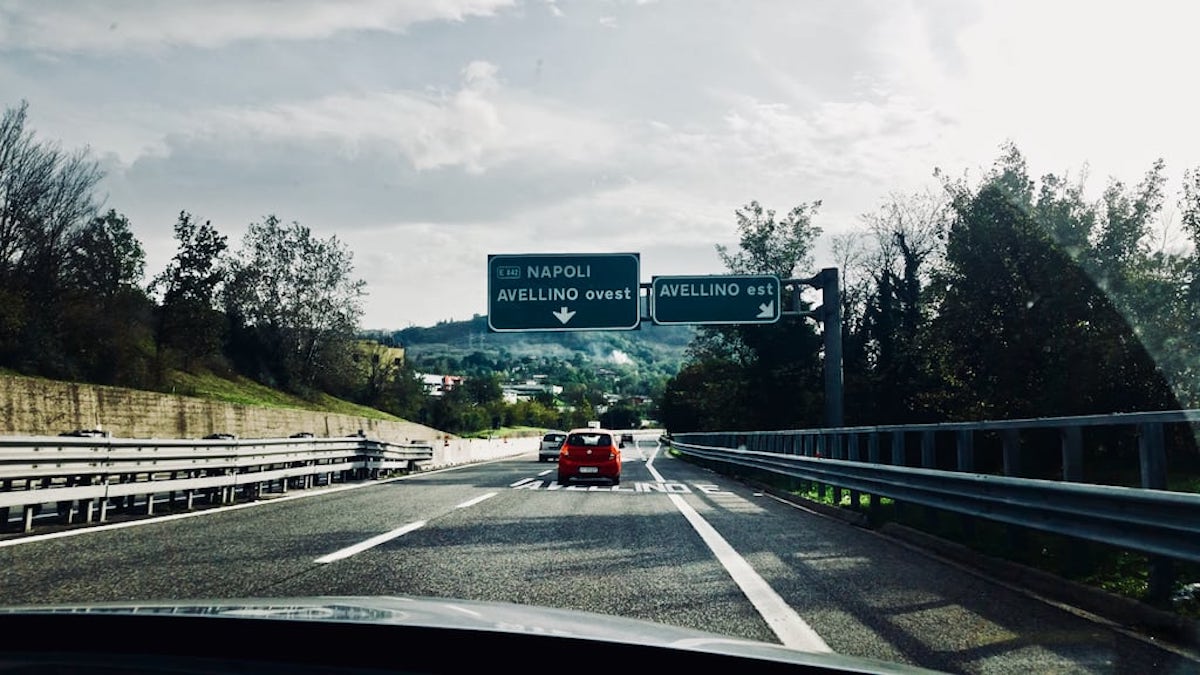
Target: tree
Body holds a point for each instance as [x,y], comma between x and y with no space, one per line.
[774,369]
[892,371]
[46,195]
[1022,330]
[188,320]
[104,258]
[770,246]
[483,389]
[106,315]
[296,303]
[1125,221]
[406,394]
[621,416]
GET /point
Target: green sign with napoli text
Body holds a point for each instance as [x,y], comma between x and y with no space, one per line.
[564,292]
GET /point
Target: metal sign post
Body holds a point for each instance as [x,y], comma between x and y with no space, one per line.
[830,316]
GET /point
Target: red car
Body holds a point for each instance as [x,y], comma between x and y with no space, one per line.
[590,454]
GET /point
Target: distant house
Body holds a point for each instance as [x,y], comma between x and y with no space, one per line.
[371,355]
[527,390]
[438,385]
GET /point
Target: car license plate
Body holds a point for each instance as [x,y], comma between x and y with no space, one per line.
[588,469]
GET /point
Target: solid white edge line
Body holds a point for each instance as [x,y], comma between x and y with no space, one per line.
[791,630]
[787,625]
[473,502]
[1033,595]
[369,543]
[34,538]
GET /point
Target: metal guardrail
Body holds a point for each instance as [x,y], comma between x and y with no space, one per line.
[85,478]
[1152,521]
[879,461]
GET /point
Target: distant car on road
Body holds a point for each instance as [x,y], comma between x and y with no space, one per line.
[85,433]
[551,442]
[589,454]
[626,438]
[302,434]
[221,437]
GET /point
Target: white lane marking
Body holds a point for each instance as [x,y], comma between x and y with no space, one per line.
[232,507]
[546,472]
[791,630]
[370,543]
[650,465]
[473,502]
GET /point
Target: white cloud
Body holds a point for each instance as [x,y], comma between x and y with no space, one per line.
[77,26]
[477,126]
[429,146]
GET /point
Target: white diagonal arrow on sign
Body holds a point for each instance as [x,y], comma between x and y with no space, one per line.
[765,310]
[564,315]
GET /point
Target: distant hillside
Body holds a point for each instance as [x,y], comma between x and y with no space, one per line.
[657,347]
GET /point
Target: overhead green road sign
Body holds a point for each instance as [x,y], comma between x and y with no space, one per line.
[720,299]
[564,292]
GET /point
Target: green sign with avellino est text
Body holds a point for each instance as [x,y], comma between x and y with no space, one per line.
[718,299]
[564,292]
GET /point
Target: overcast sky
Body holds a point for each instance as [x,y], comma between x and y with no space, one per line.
[428,134]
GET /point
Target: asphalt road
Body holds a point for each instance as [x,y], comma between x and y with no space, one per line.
[672,543]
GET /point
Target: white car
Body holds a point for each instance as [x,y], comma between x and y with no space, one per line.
[551,442]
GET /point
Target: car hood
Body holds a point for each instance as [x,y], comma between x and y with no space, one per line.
[472,615]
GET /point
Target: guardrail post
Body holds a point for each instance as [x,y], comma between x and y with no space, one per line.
[929,461]
[965,444]
[1072,454]
[1012,452]
[873,457]
[834,445]
[1072,471]
[790,443]
[104,500]
[898,460]
[820,451]
[928,458]
[965,447]
[852,453]
[27,519]
[1016,537]
[67,510]
[1152,455]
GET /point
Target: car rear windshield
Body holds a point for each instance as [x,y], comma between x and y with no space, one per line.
[589,439]
[554,437]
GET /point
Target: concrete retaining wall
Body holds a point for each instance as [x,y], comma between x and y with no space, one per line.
[36,407]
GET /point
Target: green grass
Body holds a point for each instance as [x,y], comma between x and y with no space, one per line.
[506,432]
[245,391]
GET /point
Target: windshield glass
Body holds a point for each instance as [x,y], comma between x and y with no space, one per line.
[589,439]
[891,308]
